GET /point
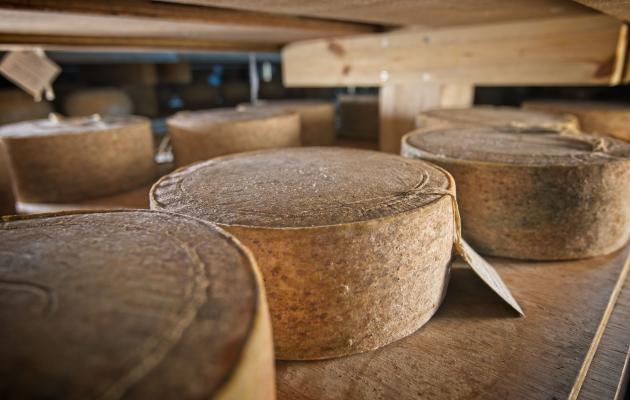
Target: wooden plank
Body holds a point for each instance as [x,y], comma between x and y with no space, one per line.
[605,371]
[474,346]
[409,12]
[575,50]
[130,44]
[146,20]
[400,104]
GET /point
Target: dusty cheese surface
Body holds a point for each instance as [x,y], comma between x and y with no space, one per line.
[113,304]
[532,194]
[354,245]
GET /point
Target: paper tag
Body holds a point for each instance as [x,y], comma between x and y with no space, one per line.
[32,72]
[487,273]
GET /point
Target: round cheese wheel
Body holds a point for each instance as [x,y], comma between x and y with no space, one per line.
[137,198]
[359,116]
[7,199]
[317,118]
[534,194]
[354,245]
[612,119]
[16,106]
[133,304]
[494,116]
[105,101]
[200,135]
[72,159]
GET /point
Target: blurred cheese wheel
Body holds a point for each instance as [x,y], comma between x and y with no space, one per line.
[16,106]
[354,245]
[7,199]
[65,160]
[494,116]
[534,194]
[603,118]
[201,135]
[358,116]
[105,101]
[130,304]
[317,118]
[174,73]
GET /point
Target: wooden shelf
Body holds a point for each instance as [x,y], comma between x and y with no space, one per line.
[475,347]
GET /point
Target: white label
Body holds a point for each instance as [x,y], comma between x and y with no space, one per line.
[31,71]
[487,273]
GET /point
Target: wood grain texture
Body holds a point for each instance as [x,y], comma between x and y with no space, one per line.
[143,19]
[400,104]
[617,8]
[409,12]
[130,304]
[570,50]
[604,374]
[474,347]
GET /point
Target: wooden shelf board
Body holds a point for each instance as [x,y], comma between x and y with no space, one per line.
[475,346]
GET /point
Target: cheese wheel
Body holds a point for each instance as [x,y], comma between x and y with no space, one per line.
[359,116]
[534,194]
[105,101]
[66,160]
[7,199]
[144,98]
[317,118]
[137,198]
[493,116]
[16,106]
[354,245]
[200,135]
[612,119]
[174,73]
[133,304]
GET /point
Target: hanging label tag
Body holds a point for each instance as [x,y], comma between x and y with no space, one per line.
[487,273]
[32,72]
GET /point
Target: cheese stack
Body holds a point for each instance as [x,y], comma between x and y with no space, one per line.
[104,101]
[358,116]
[612,119]
[133,304]
[494,116]
[67,160]
[317,118]
[354,245]
[201,135]
[534,194]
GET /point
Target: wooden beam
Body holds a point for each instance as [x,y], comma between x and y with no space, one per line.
[560,51]
[400,104]
[408,12]
[164,25]
[141,44]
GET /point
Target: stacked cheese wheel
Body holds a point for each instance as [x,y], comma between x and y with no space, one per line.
[359,116]
[104,101]
[317,118]
[534,194]
[76,159]
[16,106]
[132,304]
[354,245]
[494,116]
[201,135]
[611,119]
